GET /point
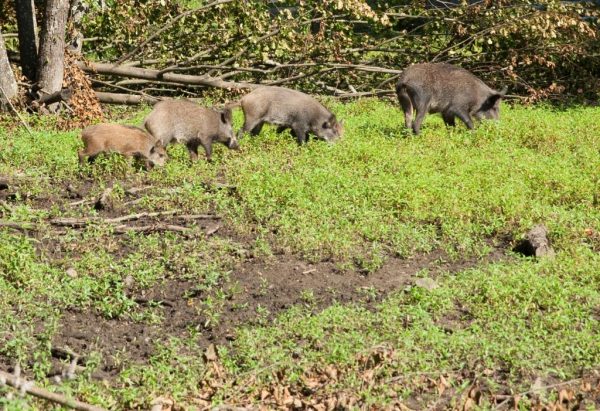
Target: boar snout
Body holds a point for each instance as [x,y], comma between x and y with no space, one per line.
[331,130]
[233,144]
[158,155]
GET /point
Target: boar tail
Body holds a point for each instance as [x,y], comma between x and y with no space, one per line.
[400,86]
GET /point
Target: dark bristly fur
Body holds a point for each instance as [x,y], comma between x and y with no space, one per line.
[446,89]
[190,124]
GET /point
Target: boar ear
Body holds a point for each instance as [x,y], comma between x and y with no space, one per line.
[331,122]
[226,115]
[152,149]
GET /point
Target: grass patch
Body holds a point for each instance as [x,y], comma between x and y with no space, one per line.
[378,193]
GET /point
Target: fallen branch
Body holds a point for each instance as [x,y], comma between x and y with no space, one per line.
[120,87]
[132,217]
[81,202]
[124,229]
[212,231]
[66,354]
[149,74]
[134,190]
[366,94]
[81,222]
[120,98]
[28,387]
[18,226]
[187,217]
[363,67]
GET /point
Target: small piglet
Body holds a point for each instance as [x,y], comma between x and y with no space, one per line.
[127,140]
[288,109]
[446,89]
[188,123]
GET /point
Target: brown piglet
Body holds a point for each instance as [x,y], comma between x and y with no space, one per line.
[127,140]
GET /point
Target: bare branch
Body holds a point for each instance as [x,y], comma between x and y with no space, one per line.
[120,98]
[149,74]
[29,388]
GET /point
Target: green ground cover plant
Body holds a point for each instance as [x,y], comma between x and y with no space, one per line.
[378,196]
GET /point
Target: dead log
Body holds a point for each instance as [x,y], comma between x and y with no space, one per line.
[122,98]
[149,74]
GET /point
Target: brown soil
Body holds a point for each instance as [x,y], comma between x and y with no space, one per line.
[276,285]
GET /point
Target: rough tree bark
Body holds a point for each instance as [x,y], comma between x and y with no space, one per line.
[28,41]
[52,47]
[8,84]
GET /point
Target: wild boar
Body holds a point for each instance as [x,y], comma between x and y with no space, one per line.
[446,89]
[185,122]
[127,140]
[288,109]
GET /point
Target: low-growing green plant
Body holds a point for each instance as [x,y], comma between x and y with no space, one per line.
[375,194]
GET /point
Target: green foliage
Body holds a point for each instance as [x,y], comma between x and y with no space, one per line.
[546,49]
[524,318]
[376,193]
[376,190]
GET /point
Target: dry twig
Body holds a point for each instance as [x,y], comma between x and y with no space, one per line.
[28,387]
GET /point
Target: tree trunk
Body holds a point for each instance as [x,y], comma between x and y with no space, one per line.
[28,41]
[52,47]
[8,84]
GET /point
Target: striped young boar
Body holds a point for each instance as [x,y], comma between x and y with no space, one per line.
[127,140]
[446,89]
[185,122]
[288,109]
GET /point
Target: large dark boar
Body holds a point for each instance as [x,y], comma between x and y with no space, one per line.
[127,140]
[450,90]
[288,109]
[188,123]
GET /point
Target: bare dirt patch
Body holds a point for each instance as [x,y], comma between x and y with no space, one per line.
[264,288]
[275,284]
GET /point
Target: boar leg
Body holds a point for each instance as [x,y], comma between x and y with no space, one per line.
[420,102]
[81,156]
[252,126]
[192,147]
[208,150]
[256,129]
[407,108]
[449,119]
[300,132]
[421,112]
[466,118]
